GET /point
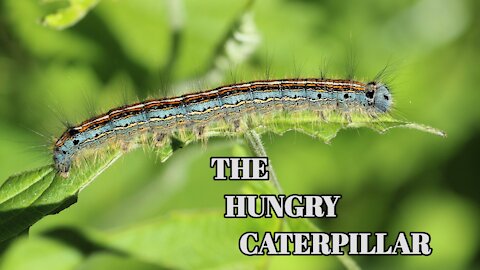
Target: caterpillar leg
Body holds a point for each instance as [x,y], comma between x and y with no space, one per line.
[322,116]
[126,146]
[159,139]
[200,132]
[347,117]
[236,125]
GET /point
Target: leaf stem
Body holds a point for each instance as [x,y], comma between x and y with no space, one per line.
[256,146]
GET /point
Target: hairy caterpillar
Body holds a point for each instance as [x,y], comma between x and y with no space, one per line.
[160,117]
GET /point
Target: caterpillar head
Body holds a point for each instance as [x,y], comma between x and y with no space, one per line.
[62,159]
[379,95]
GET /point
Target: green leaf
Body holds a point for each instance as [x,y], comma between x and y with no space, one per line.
[67,248]
[28,197]
[209,242]
[117,262]
[42,253]
[70,15]
[309,124]
[155,244]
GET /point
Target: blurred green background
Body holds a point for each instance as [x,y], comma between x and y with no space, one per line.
[404,180]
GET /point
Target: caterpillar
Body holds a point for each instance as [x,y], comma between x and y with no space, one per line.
[158,118]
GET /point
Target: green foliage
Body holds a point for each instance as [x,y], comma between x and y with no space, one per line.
[399,181]
[69,16]
[28,197]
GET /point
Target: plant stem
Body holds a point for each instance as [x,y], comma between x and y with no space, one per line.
[258,149]
[256,146]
